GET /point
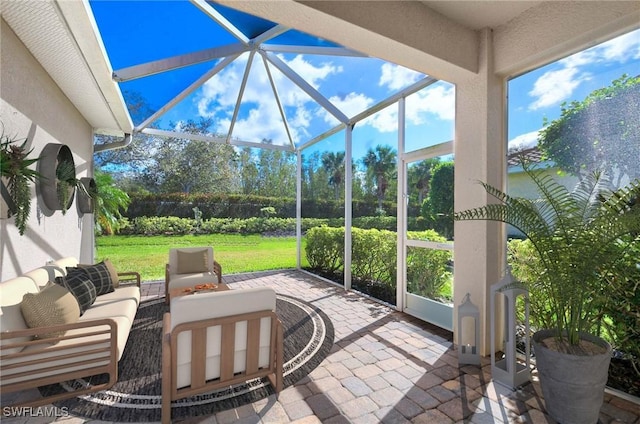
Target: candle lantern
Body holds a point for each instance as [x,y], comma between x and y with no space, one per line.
[508,370]
[468,344]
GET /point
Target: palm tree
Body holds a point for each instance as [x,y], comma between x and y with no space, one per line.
[419,177]
[380,164]
[334,165]
[109,200]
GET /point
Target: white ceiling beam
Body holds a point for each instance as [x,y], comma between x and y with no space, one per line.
[407,33]
[217,16]
[307,88]
[555,29]
[194,86]
[319,50]
[243,85]
[175,62]
[442,149]
[213,139]
[269,34]
[187,136]
[277,97]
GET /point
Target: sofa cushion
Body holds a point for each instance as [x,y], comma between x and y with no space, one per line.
[192,261]
[54,305]
[11,319]
[79,284]
[100,276]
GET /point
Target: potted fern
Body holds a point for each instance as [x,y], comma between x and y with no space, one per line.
[16,173]
[579,237]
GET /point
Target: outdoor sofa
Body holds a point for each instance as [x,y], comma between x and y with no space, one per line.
[45,341]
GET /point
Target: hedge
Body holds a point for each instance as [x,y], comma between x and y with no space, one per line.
[243,206]
[373,260]
[157,225]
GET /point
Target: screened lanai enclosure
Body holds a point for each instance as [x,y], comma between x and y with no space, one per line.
[263,85]
[363,84]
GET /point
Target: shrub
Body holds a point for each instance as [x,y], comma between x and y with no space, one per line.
[429,270]
[373,260]
[373,255]
[160,225]
[621,306]
[525,266]
[325,249]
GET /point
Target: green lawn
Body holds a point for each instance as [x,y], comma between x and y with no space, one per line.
[236,253]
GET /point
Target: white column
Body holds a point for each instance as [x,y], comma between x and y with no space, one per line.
[401,264]
[480,149]
[299,211]
[348,207]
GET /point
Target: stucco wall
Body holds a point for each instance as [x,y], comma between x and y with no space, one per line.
[33,107]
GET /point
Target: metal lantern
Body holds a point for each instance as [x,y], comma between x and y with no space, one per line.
[469,349]
[508,370]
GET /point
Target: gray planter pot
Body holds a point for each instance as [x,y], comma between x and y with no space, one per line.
[85,203]
[572,385]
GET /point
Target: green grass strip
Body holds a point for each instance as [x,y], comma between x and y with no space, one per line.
[236,253]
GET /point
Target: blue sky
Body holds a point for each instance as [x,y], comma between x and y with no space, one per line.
[539,93]
[351,84]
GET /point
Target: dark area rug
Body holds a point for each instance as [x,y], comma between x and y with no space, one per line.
[308,337]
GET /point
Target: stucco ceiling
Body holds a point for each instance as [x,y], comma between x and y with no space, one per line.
[480,14]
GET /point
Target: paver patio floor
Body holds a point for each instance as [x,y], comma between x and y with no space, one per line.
[385,366]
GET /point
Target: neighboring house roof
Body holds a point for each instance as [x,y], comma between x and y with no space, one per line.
[532,154]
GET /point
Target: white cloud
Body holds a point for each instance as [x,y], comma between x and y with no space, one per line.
[397,77]
[384,121]
[623,48]
[555,86]
[438,101]
[220,92]
[351,105]
[261,115]
[311,73]
[524,141]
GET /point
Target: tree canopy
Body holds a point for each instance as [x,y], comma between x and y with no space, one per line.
[602,131]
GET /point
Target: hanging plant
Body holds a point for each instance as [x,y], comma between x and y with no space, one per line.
[16,175]
[66,184]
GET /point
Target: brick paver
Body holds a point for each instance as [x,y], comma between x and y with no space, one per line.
[385,366]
